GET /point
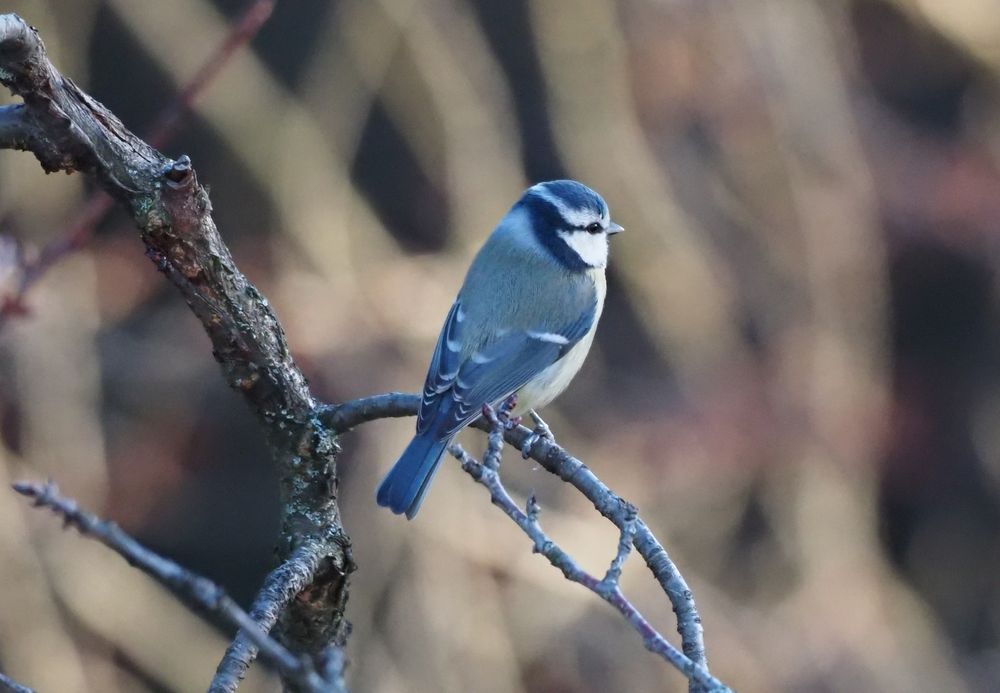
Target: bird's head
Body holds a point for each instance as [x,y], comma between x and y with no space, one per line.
[571,221]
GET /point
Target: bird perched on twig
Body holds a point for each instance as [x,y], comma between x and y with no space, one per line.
[523,323]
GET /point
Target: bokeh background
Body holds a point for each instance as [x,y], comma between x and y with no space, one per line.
[797,376]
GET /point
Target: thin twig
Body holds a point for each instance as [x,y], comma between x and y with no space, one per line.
[76,236]
[99,204]
[558,461]
[607,588]
[280,587]
[196,591]
[555,459]
[342,417]
[9,685]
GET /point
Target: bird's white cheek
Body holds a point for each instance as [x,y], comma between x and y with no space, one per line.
[591,247]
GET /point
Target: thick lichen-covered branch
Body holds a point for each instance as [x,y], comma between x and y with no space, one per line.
[67,130]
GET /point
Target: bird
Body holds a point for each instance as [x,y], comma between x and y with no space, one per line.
[523,323]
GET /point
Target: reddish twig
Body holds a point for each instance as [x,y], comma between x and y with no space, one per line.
[241,33]
[97,207]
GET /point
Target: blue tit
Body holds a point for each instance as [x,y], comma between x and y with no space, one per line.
[523,323]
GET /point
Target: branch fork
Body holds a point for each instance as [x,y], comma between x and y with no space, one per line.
[487,473]
[196,591]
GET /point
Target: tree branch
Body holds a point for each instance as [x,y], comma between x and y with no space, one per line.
[607,588]
[197,592]
[67,130]
[280,586]
[13,128]
[345,416]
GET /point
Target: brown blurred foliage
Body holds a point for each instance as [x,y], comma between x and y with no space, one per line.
[795,378]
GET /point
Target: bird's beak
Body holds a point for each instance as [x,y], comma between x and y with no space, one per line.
[614,228]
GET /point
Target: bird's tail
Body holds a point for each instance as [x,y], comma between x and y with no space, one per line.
[403,488]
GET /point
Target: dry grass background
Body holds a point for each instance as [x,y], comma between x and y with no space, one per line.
[795,379]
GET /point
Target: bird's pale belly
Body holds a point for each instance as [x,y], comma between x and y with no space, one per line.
[550,383]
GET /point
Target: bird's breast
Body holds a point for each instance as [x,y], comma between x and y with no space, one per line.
[551,382]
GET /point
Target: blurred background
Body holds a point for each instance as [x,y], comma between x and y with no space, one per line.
[797,376]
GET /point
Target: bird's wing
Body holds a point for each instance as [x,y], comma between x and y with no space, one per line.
[444,367]
[456,390]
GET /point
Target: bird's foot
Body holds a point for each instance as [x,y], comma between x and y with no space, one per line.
[540,431]
[502,413]
[506,407]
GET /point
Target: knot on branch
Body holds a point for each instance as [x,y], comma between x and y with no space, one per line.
[179,173]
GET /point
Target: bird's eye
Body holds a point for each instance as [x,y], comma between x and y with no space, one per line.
[594,228]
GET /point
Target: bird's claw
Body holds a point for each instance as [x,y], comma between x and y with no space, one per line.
[502,413]
[540,431]
[506,407]
[509,404]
